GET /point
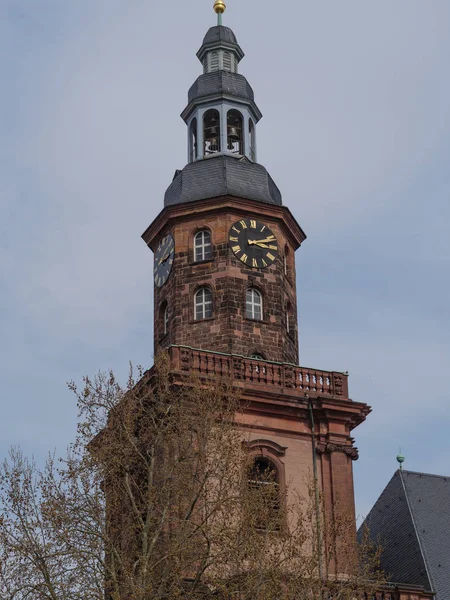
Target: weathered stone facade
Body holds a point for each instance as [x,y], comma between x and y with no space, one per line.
[228,330]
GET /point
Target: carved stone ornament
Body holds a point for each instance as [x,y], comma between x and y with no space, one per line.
[351,451]
[288,376]
[338,385]
[237,367]
[186,359]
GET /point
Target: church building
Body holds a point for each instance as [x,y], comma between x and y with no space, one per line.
[225,293]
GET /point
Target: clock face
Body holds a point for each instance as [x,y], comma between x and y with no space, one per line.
[163,260]
[253,243]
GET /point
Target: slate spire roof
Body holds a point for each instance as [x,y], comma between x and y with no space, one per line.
[411,519]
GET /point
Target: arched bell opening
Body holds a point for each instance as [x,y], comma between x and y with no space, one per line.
[211,129]
[235,140]
[251,140]
[193,141]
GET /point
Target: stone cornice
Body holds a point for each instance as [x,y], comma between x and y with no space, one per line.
[255,208]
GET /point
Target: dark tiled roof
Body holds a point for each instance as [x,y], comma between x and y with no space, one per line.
[219,33]
[221,82]
[412,516]
[221,175]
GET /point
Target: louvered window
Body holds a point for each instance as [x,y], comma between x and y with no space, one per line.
[214,61]
[227,64]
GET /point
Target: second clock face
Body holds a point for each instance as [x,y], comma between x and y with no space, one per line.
[253,243]
[163,260]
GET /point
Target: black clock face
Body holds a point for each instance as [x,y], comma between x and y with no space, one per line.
[163,260]
[253,243]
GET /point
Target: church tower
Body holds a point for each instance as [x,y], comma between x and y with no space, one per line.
[225,284]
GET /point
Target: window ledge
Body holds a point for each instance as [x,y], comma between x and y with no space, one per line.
[193,321]
[263,321]
[201,262]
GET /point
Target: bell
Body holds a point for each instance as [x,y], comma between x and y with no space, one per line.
[211,132]
[234,133]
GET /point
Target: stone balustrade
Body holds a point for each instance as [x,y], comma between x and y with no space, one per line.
[273,376]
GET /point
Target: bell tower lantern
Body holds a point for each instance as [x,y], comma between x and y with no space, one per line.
[221,114]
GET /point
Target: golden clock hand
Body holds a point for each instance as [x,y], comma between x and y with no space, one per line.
[271,238]
[164,258]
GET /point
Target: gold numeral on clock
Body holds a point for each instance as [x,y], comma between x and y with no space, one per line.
[236,249]
[254,262]
[244,258]
[236,229]
[273,247]
[253,224]
[244,224]
[233,239]
[264,263]
[270,256]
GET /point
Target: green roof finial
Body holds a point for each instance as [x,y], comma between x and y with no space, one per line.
[400,459]
[219,8]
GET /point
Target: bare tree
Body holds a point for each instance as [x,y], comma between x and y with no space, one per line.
[159,498]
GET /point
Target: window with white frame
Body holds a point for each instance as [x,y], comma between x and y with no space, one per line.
[254,304]
[203,304]
[166,319]
[202,246]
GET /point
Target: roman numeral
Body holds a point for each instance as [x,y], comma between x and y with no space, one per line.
[270,256]
[233,239]
[236,229]
[244,258]
[264,263]
[263,227]
[244,224]
[253,224]
[236,249]
[254,262]
[273,248]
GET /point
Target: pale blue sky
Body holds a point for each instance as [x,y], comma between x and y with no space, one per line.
[356,133]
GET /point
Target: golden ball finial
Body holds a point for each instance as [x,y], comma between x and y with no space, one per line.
[219,7]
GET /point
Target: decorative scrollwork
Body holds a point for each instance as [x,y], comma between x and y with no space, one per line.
[351,451]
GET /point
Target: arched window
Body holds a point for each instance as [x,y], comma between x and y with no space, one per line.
[251,137]
[289,324]
[227,64]
[202,246]
[254,304]
[235,143]
[193,141]
[164,316]
[203,304]
[264,489]
[286,260]
[214,64]
[211,128]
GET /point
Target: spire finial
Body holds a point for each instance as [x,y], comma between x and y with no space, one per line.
[400,459]
[219,8]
